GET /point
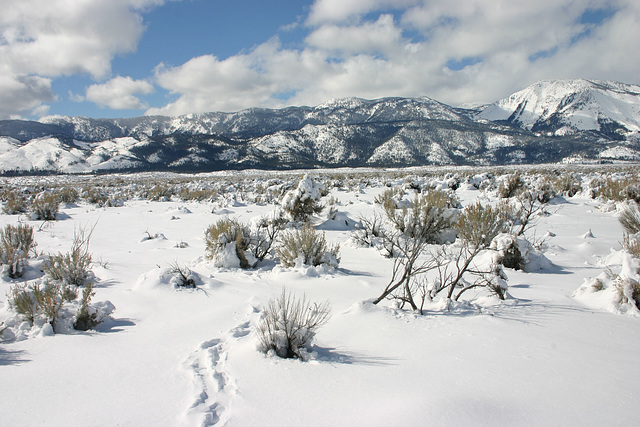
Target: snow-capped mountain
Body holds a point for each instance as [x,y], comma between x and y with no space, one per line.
[568,106]
[547,122]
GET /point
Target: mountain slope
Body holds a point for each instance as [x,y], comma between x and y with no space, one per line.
[547,122]
[567,106]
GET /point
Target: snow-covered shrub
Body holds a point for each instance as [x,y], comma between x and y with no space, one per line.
[183,277]
[198,195]
[631,244]
[630,219]
[73,267]
[567,185]
[619,293]
[289,324]
[56,304]
[95,196]
[307,246]
[420,271]
[227,242]
[86,318]
[67,195]
[426,217]
[159,192]
[44,207]
[617,189]
[510,186]
[496,281]
[32,300]
[304,200]
[15,243]
[518,253]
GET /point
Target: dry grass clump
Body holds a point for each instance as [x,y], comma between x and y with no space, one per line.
[73,267]
[630,219]
[15,203]
[44,206]
[289,324]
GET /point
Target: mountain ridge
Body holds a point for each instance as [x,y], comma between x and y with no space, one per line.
[549,121]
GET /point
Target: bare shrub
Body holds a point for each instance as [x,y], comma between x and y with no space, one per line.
[416,278]
[289,324]
[44,207]
[368,230]
[308,247]
[73,267]
[630,219]
[264,234]
[15,243]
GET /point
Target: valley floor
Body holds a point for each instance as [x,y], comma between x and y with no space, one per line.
[178,357]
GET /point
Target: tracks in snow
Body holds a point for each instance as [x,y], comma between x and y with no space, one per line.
[214,388]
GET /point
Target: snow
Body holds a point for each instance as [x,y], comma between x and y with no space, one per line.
[580,104]
[170,356]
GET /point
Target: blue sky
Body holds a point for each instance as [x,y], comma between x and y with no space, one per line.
[122,58]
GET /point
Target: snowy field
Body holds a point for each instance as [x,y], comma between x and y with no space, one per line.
[553,352]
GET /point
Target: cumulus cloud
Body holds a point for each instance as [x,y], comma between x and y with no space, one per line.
[119,93]
[455,51]
[51,38]
[24,95]
[324,11]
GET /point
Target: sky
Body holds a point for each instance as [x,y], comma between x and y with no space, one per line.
[124,58]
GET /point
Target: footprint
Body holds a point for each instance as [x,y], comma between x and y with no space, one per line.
[214,388]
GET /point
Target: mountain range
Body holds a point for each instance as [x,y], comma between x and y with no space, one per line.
[549,121]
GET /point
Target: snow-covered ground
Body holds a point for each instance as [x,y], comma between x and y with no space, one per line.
[188,357]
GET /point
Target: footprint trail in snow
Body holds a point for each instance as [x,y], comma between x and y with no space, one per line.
[214,388]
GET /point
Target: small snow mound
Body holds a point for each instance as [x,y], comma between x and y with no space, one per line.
[157,236]
[339,222]
[588,235]
[47,330]
[617,293]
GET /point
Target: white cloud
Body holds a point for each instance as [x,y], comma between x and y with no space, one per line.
[119,93]
[350,53]
[51,38]
[24,95]
[381,36]
[323,11]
